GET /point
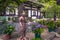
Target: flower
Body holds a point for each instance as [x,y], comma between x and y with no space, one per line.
[39,26]
[34,28]
[43,26]
[34,23]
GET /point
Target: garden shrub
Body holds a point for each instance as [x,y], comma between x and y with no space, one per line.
[51,24]
[37,28]
[9,29]
[58,23]
[33,20]
[41,22]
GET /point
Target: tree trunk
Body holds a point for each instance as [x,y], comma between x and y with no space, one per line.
[4,11]
[0,13]
[54,16]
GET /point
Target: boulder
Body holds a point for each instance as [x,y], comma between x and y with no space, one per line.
[48,36]
[56,38]
[57,30]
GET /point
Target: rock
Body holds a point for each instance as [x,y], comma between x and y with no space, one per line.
[56,38]
[48,36]
[57,30]
[15,35]
[1,39]
[57,35]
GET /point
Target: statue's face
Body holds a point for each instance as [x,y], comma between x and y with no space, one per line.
[23,15]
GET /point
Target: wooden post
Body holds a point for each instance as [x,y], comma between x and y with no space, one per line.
[31,11]
[37,12]
[54,16]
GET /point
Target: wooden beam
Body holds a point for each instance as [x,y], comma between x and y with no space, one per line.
[31,11]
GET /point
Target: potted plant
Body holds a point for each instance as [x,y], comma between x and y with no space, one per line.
[8,31]
[51,26]
[37,29]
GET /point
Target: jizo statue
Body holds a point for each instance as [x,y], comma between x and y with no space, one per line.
[22,26]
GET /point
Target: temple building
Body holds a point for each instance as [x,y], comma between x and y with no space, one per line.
[30,8]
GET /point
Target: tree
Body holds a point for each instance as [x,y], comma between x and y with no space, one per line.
[50,7]
[6,3]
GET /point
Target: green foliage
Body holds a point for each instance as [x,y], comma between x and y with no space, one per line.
[36,39]
[41,22]
[6,3]
[3,25]
[58,23]
[51,24]
[6,28]
[9,29]
[33,20]
[50,7]
[4,21]
[43,1]
[38,30]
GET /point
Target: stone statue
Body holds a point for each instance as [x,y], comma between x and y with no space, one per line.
[22,26]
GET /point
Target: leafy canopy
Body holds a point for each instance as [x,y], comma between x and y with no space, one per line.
[7,3]
[50,6]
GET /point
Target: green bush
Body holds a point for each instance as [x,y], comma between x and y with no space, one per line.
[9,29]
[4,21]
[3,26]
[37,28]
[42,22]
[51,24]
[33,20]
